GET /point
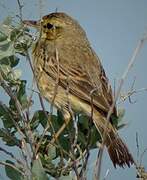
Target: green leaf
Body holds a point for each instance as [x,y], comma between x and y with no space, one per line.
[12,173]
[65,178]
[38,170]
[3,37]
[49,165]
[12,61]
[121,114]
[95,136]
[64,143]
[23,43]
[3,109]
[83,120]
[6,49]
[51,151]
[7,20]
[118,120]
[114,121]
[14,75]
[9,74]
[122,126]
[15,33]
[39,117]
[14,40]
[35,121]
[5,29]
[56,123]
[21,95]
[9,138]
[5,70]
[87,132]
[81,138]
[7,122]
[5,115]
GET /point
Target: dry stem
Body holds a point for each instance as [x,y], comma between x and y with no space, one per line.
[130,65]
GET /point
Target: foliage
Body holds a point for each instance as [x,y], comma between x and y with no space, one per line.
[33,133]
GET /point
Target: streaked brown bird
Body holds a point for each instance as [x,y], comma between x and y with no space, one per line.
[69,74]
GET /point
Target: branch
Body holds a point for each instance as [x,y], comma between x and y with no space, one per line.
[12,166]
[130,65]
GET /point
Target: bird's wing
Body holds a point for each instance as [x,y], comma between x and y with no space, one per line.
[84,81]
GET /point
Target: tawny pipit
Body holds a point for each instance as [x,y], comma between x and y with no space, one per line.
[70,74]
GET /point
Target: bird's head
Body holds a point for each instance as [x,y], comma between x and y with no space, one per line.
[57,25]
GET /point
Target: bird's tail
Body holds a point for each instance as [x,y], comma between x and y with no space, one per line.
[118,152]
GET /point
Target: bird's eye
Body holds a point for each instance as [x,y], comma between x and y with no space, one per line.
[49,26]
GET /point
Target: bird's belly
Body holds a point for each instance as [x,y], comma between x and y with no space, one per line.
[57,95]
[50,90]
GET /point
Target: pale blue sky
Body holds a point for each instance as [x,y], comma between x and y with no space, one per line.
[113,28]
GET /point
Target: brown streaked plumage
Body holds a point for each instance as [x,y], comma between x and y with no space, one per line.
[64,60]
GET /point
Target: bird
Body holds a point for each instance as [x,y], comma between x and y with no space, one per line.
[70,75]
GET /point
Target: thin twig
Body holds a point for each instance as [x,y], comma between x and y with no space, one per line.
[11,155]
[19,109]
[83,169]
[12,166]
[26,158]
[142,154]
[43,107]
[74,143]
[106,174]
[30,133]
[14,122]
[130,65]
[75,122]
[40,8]
[130,93]
[10,93]
[20,10]
[49,123]
[137,145]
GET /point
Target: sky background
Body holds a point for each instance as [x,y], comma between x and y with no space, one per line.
[113,27]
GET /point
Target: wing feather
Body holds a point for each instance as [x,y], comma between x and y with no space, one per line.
[81,83]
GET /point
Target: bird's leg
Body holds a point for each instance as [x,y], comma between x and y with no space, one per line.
[67,118]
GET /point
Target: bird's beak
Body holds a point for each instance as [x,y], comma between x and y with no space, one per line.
[35,24]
